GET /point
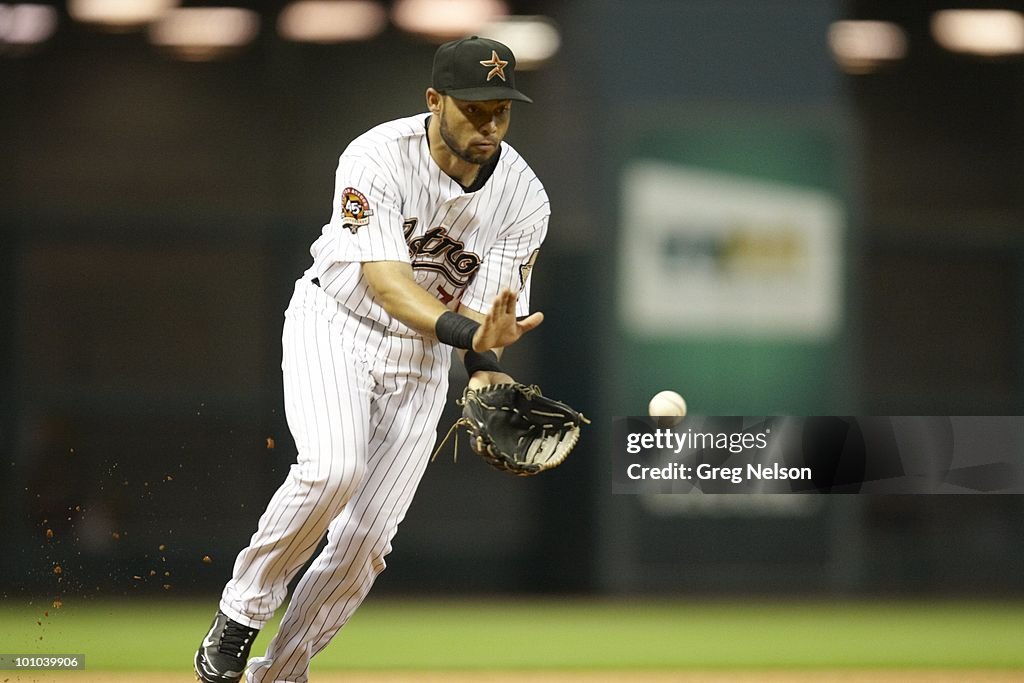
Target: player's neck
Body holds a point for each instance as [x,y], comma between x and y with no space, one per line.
[462,172]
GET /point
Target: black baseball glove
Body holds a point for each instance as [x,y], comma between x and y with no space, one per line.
[517,429]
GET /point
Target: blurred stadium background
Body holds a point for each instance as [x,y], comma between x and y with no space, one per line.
[802,207]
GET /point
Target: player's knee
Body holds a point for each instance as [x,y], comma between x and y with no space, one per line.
[375,561]
[373,547]
[336,480]
[344,477]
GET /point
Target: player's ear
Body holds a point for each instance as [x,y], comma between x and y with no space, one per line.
[434,101]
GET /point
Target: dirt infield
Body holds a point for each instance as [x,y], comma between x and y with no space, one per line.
[975,676]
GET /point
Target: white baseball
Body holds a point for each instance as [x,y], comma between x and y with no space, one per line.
[667,408]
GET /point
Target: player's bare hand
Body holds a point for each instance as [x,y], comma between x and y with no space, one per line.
[500,328]
[483,378]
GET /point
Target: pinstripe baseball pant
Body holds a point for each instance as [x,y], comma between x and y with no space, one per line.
[362,406]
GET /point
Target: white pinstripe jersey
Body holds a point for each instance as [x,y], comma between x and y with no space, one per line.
[392,202]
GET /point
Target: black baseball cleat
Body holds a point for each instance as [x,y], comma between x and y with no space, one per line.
[222,656]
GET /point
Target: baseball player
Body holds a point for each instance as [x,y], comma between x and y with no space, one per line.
[435,228]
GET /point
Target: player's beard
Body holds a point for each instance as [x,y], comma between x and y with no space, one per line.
[461,152]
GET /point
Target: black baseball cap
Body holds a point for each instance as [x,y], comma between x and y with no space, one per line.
[476,69]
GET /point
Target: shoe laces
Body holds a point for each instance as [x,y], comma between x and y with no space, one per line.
[236,640]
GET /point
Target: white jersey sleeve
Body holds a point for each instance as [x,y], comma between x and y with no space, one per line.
[366,219]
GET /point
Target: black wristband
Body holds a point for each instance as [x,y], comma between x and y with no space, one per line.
[456,330]
[486,361]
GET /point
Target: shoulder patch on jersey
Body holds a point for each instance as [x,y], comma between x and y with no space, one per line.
[355,209]
[527,268]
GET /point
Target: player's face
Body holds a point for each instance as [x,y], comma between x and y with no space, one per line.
[474,130]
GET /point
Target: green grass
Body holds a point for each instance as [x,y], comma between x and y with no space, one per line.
[557,634]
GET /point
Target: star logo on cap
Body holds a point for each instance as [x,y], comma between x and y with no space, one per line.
[498,66]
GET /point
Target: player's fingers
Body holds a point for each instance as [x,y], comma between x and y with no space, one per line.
[500,304]
[510,302]
[497,308]
[504,304]
[531,321]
